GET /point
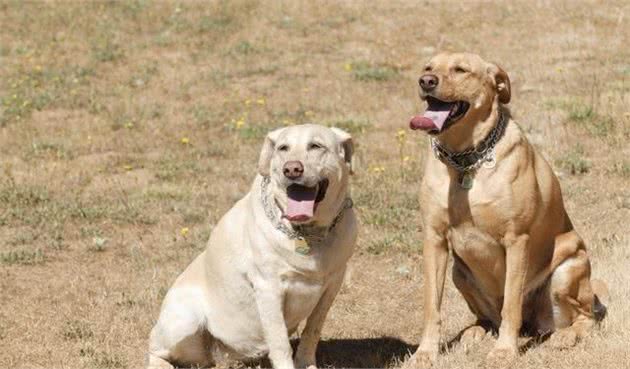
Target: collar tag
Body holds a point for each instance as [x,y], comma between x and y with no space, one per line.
[301,246]
[490,160]
[466,180]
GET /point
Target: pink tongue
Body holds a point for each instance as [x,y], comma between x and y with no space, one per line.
[301,203]
[430,120]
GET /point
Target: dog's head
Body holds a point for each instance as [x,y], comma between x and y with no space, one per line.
[459,88]
[309,167]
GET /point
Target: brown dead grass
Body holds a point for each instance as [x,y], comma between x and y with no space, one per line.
[124,124]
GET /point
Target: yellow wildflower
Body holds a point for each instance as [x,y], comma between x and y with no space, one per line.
[347,67]
[127,167]
[239,123]
[401,135]
[185,140]
[260,101]
[184,231]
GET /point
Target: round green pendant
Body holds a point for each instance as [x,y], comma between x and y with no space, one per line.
[302,247]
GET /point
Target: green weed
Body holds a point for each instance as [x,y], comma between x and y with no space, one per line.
[574,161]
[350,125]
[364,71]
[22,257]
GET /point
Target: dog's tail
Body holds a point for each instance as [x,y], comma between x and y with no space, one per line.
[600,290]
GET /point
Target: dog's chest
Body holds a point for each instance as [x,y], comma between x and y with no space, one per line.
[477,220]
[472,242]
[301,294]
[485,206]
[303,278]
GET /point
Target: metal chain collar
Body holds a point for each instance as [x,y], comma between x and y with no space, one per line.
[473,158]
[298,231]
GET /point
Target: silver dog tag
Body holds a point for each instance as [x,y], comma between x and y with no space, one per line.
[491,161]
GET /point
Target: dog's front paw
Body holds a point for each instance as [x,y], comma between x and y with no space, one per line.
[472,336]
[563,339]
[502,356]
[421,359]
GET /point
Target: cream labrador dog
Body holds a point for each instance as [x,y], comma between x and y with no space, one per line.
[518,262]
[278,257]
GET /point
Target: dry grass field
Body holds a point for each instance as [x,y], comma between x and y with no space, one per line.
[128,128]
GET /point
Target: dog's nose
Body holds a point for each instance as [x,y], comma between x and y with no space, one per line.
[428,82]
[293,169]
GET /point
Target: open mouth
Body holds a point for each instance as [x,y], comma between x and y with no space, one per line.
[302,200]
[439,115]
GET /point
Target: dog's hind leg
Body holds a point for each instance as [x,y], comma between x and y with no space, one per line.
[576,308]
[180,336]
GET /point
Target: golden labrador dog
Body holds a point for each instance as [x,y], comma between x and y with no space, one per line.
[276,258]
[518,262]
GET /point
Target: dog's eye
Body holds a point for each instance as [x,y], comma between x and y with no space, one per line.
[460,70]
[428,68]
[283,148]
[315,146]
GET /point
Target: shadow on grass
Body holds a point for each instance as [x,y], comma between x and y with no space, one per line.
[379,352]
[382,352]
[363,353]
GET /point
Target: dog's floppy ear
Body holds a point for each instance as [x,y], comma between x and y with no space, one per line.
[502,83]
[267,151]
[345,140]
